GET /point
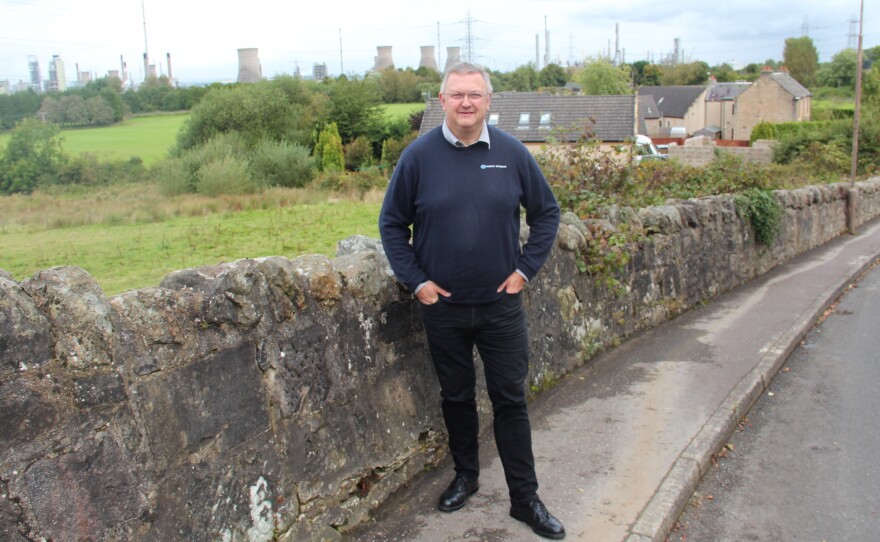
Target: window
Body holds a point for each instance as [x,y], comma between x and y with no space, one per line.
[545,121]
[493,119]
[523,121]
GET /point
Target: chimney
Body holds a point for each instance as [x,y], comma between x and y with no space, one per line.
[170,78]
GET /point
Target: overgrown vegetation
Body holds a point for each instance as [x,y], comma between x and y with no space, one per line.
[763,212]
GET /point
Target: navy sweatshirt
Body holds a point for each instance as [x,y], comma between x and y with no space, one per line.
[463,204]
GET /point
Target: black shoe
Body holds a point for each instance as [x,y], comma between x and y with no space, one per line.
[535,514]
[456,495]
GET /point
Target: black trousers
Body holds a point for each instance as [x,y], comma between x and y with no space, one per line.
[498,330]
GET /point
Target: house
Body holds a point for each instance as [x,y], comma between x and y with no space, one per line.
[650,119]
[679,106]
[728,110]
[533,118]
[721,109]
[773,97]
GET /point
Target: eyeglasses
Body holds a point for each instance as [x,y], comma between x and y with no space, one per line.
[458,96]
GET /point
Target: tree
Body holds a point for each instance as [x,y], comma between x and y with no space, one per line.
[600,77]
[871,90]
[871,55]
[399,86]
[256,111]
[18,106]
[841,71]
[33,156]
[354,107]
[99,111]
[523,79]
[328,152]
[802,59]
[690,73]
[724,73]
[652,74]
[552,75]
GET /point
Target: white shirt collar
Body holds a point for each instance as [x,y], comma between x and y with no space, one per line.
[450,137]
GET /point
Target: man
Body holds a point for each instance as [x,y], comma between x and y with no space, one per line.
[461,187]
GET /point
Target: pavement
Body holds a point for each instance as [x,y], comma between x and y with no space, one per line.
[621,443]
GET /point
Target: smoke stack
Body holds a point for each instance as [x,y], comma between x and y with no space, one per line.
[428,60]
[168,60]
[383,58]
[249,70]
[453,57]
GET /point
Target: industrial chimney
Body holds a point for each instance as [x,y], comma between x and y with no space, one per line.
[170,77]
[383,58]
[249,70]
[453,57]
[428,60]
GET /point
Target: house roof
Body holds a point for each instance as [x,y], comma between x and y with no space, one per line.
[647,110]
[674,101]
[790,84]
[719,92]
[608,118]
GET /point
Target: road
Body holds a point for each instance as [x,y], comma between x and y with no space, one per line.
[803,465]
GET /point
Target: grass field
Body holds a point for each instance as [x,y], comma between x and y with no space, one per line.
[148,137]
[130,237]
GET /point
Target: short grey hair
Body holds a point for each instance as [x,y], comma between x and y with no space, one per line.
[463,68]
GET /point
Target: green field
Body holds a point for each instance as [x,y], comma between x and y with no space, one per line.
[148,137]
[402,110]
[129,236]
[142,241]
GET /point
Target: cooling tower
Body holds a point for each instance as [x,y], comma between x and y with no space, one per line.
[428,60]
[383,58]
[249,70]
[453,57]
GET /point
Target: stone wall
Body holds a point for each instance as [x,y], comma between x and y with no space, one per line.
[286,399]
[699,151]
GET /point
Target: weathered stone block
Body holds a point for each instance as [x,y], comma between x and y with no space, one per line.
[84,494]
[205,408]
[25,333]
[79,312]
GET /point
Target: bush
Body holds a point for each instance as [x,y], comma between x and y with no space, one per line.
[282,164]
[173,178]
[358,153]
[86,169]
[256,111]
[32,157]
[227,175]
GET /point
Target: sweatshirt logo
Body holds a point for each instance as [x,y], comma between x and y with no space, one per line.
[492,166]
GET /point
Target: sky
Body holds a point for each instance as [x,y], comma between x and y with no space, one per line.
[203,37]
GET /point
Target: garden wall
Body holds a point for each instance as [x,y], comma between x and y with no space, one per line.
[286,399]
[699,151]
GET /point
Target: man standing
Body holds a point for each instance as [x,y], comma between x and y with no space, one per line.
[461,187]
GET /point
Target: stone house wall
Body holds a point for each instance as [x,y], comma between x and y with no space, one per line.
[285,399]
[767,101]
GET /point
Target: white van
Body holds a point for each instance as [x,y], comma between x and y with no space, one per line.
[644,149]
